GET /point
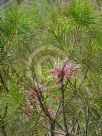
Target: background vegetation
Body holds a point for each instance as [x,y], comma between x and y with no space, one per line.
[36,38]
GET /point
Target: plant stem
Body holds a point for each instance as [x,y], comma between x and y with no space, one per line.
[63,108]
[52,127]
[3,129]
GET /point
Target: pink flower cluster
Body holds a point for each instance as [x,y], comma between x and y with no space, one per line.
[31,96]
[66,71]
[51,112]
[27,107]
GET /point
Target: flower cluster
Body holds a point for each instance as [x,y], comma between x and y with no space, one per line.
[66,71]
[28,105]
[31,96]
[51,112]
[32,93]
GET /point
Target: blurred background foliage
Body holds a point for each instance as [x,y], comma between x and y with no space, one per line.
[34,35]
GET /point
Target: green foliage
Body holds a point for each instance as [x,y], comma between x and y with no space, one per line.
[34,39]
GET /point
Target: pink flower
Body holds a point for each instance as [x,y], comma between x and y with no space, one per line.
[39,87]
[31,94]
[56,72]
[70,69]
[51,112]
[65,72]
